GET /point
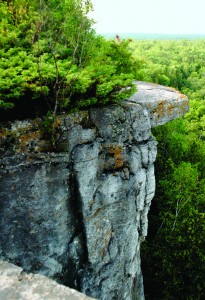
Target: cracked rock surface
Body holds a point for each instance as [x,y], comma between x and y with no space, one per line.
[79,215]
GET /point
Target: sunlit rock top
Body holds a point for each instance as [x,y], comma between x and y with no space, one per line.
[163,103]
[15,284]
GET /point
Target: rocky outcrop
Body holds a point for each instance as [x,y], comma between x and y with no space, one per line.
[79,215]
[163,103]
[15,284]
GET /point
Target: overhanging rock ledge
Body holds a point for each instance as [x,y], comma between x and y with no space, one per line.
[163,103]
[78,215]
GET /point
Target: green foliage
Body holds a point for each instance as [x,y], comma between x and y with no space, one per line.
[175,63]
[52,129]
[49,52]
[173,256]
[177,249]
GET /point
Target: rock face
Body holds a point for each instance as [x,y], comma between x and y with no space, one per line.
[15,284]
[79,215]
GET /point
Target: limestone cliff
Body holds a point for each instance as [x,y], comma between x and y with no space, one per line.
[79,215]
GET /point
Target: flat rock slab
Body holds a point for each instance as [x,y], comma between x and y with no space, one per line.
[18,285]
[163,103]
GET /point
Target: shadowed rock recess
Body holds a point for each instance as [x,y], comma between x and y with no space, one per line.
[79,215]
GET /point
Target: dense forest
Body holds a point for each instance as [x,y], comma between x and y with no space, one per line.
[173,256]
[52,61]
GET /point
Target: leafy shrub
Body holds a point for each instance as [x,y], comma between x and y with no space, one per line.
[50,53]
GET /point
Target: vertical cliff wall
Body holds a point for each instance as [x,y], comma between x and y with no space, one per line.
[79,215]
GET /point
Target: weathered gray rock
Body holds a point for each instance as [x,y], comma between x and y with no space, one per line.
[163,103]
[79,215]
[15,284]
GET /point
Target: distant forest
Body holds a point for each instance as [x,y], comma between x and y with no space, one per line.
[173,257]
[154,36]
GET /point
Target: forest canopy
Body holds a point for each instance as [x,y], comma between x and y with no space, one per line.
[52,58]
[173,257]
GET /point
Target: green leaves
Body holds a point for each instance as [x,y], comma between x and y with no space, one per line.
[17,72]
[51,53]
[6,105]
